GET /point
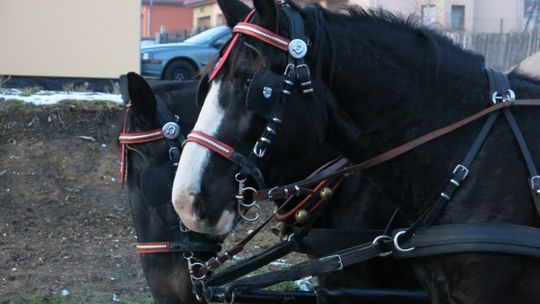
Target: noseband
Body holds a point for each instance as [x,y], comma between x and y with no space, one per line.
[266,86]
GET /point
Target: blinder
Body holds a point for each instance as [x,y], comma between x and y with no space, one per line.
[202,90]
[156,182]
[264,93]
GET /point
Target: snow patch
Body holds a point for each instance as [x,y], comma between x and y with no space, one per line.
[53,97]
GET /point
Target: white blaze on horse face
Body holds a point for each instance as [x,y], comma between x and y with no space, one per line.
[193,162]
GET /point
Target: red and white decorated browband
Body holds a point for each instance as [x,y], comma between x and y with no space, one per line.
[252,30]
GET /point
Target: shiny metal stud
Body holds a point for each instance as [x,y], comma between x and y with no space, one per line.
[171,130]
[267,92]
[301,216]
[326,193]
[297,48]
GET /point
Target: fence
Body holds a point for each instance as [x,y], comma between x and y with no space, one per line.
[502,51]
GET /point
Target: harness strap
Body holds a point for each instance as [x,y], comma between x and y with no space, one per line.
[321,242]
[478,237]
[140,137]
[262,34]
[255,262]
[312,201]
[223,58]
[215,145]
[280,192]
[165,247]
[316,266]
[428,241]
[531,166]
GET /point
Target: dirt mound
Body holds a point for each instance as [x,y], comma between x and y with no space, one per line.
[65,223]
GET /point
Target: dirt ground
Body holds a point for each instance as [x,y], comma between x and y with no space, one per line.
[65,223]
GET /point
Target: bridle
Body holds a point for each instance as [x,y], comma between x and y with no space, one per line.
[191,243]
[171,132]
[268,86]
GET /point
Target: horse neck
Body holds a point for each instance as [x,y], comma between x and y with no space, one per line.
[398,83]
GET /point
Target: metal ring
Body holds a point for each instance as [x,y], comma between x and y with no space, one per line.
[383,238]
[187,257]
[238,179]
[242,197]
[251,219]
[269,193]
[258,151]
[290,237]
[191,271]
[396,243]
[183,227]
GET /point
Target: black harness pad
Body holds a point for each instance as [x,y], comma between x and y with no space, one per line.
[264,92]
[156,184]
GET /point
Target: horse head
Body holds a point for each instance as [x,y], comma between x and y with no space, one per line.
[239,135]
[150,153]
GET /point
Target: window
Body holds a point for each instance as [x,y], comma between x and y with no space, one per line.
[458,17]
[203,22]
[429,14]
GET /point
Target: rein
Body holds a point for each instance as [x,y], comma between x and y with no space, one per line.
[300,187]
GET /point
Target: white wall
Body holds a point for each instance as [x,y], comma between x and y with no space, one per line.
[69,38]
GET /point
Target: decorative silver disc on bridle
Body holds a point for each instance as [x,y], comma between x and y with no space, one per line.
[171,130]
[297,48]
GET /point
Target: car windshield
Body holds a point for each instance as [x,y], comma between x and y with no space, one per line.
[206,36]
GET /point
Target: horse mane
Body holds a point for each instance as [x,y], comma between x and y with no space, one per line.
[354,19]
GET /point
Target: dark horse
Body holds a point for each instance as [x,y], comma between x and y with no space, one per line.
[378,82]
[149,180]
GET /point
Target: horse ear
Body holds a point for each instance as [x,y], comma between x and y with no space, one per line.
[141,95]
[267,10]
[233,10]
[123,83]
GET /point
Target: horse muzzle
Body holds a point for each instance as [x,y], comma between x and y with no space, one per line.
[193,212]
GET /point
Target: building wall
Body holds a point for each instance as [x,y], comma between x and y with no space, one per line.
[480,15]
[205,12]
[69,38]
[171,18]
[510,16]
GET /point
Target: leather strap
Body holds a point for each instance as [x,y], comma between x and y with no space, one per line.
[280,192]
[215,145]
[478,237]
[165,247]
[329,263]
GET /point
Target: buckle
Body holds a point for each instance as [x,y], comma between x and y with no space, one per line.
[507,96]
[383,238]
[339,260]
[396,243]
[535,184]
[463,168]
[304,76]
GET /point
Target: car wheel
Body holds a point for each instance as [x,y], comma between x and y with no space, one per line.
[179,70]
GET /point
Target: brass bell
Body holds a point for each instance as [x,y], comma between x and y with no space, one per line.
[280,230]
[301,216]
[326,193]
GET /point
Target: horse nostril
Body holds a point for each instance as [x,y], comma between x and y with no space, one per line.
[198,205]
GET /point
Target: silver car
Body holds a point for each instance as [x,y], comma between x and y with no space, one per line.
[181,61]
